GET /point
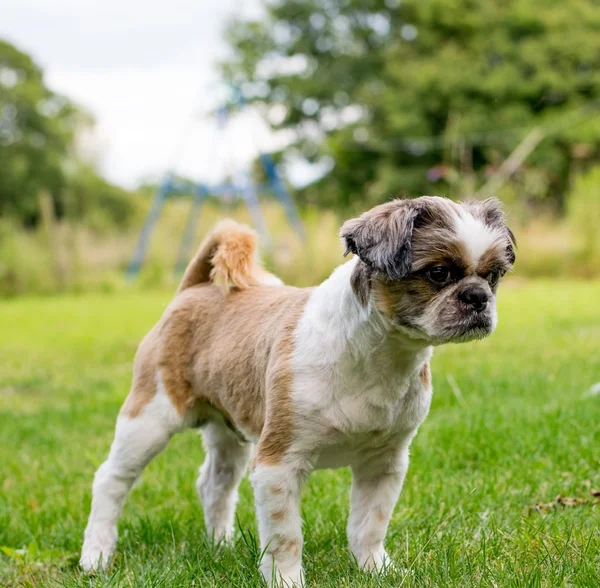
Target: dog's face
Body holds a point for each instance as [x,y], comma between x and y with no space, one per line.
[432,266]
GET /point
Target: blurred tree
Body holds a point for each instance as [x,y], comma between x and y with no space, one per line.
[37,129]
[38,137]
[89,197]
[413,97]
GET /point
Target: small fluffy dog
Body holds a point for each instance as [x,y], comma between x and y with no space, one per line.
[325,377]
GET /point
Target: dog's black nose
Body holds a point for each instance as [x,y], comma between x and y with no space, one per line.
[476,297]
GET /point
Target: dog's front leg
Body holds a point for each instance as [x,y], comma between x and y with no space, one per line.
[277,498]
[376,486]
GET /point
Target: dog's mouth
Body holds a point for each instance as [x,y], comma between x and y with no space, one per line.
[472,327]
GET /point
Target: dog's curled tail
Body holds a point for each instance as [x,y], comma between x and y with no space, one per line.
[228,256]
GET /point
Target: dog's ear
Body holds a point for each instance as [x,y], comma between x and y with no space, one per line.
[491,212]
[382,237]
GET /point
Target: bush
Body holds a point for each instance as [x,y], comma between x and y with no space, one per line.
[583,214]
[101,205]
[81,258]
[25,262]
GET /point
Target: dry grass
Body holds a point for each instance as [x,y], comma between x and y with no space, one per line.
[83,259]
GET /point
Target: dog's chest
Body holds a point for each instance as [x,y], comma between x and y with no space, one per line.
[357,386]
[366,423]
[355,409]
[374,403]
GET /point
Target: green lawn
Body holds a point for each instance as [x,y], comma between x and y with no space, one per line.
[513,423]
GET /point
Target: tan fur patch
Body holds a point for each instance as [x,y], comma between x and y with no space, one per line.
[228,256]
[237,358]
[230,353]
[360,282]
[276,436]
[174,360]
[494,258]
[225,350]
[404,296]
[286,546]
[425,375]
[385,301]
[143,387]
[278,515]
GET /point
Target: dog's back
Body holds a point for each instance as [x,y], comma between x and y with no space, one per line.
[228,327]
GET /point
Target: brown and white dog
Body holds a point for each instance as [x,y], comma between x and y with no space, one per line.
[325,377]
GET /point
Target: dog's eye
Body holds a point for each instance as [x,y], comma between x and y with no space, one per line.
[494,277]
[439,274]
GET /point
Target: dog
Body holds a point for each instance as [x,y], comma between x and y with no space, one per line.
[326,377]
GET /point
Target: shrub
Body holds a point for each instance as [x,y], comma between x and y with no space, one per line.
[25,262]
[583,214]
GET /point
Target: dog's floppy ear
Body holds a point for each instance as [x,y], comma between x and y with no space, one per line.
[382,237]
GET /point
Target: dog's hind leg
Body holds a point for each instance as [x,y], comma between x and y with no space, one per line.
[143,430]
[226,459]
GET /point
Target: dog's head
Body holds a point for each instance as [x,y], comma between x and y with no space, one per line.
[432,266]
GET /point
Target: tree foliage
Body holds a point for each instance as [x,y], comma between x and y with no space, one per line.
[407,96]
[38,133]
[37,129]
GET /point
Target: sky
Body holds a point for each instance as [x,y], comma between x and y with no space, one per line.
[145,70]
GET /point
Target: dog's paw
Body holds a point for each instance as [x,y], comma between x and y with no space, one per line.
[377,561]
[290,578]
[94,558]
[99,542]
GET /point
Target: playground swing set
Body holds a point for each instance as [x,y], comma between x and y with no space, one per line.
[241,186]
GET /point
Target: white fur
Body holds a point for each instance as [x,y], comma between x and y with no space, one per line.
[476,235]
[220,474]
[277,499]
[375,490]
[137,441]
[360,400]
[352,371]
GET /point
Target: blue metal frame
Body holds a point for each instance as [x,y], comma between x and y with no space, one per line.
[183,256]
[152,217]
[282,194]
[246,189]
[250,196]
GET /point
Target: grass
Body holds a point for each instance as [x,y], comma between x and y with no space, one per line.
[513,423]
